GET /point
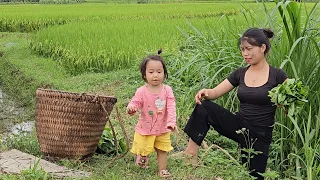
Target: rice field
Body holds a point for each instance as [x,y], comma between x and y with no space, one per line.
[199,42]
[107,45]
[32,17]
[103,37]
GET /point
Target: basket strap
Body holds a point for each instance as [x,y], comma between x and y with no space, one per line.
[114,134]
[123,129]
[112,129]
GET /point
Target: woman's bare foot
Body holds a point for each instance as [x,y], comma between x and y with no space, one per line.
[188,159]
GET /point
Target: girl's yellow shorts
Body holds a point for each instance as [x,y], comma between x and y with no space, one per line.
[144,144]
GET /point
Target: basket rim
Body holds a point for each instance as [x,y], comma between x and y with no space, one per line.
[76,95]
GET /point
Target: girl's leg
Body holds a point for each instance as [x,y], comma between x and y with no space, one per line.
[162,163]
[142,146]
[142,161]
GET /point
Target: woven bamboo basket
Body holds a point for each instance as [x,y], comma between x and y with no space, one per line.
[69,125]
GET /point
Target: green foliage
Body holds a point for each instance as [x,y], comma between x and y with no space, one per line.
[61,1]
[15,77]
[19,1]
[72,163]
[35,173]
[121,84]
[297,141]
[268,175]
[24,142]
[205,59]
[248,151]
[295,49]
[31,18]
[127,39]
[215,158]
[290,96]
[228,144]
[107,143]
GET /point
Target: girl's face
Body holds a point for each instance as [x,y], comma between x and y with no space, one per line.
[154,72]
[252,54]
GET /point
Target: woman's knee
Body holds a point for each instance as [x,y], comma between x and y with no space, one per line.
[206,103]
[201,110]
[208,106]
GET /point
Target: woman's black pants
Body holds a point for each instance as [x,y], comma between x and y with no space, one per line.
[226,123]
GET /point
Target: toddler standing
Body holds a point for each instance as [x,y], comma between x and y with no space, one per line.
[157,119]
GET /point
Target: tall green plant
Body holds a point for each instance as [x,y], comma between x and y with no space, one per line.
[206,59]
[296,50]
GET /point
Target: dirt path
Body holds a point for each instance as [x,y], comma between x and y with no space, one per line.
[14,119]
[15,161]
[10,113]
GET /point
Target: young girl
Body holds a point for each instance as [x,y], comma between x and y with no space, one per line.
[158,114]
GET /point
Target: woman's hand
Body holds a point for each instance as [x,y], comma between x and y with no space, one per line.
[203,93]
[131,110]
[212,94]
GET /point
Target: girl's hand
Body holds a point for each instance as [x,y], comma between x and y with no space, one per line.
[131,110]
[200,95]
[173,128]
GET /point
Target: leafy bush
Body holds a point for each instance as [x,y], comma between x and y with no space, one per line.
[290,96]
[35,173]
[27,143]
[107,143]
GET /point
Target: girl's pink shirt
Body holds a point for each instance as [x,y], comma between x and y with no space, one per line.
[158,111]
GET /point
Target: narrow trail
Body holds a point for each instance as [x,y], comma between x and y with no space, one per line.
[14,119]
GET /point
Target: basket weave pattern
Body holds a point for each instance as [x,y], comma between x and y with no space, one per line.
[70,124]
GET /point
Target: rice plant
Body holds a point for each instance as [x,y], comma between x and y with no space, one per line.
[34,17]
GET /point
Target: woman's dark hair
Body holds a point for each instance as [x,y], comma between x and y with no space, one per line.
[257,37]
[143,65]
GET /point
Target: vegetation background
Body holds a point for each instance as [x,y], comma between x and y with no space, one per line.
[96,46]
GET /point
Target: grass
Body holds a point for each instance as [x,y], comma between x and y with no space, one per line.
[109,36]
[128,31]
[125,41]
[204,55]
[32,17]
[122,84]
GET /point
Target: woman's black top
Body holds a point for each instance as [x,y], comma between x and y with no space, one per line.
[256,107]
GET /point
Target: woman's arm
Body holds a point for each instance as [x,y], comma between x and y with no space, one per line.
[211,94]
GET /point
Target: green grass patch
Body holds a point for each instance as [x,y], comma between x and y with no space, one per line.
[200,64]
[122,84]
[111,45]
[32,17]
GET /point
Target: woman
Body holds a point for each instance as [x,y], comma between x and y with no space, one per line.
[256,113]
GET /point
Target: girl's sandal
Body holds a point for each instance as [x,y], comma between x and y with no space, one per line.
[142,161]
[164,173]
